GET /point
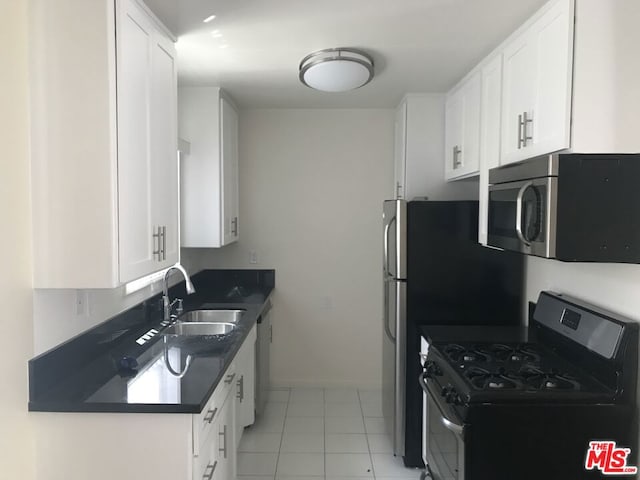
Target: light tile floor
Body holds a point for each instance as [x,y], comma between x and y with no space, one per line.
[320,434]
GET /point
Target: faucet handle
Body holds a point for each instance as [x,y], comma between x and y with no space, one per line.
[180,308]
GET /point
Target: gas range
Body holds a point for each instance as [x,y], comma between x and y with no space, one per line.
[503,372]
[528,410]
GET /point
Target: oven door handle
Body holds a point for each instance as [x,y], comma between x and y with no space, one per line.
[521,236]
[454,427]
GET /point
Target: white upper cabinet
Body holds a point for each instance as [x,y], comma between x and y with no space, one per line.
[491,110]
[147,164]
[104,144]
[537,83]
[229,186]
[462,129]
[400,149]
[209,174]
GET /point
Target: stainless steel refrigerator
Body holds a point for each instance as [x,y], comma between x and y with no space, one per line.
[435,273]
[394,267]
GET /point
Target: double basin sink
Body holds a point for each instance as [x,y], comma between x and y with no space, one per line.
[210,322]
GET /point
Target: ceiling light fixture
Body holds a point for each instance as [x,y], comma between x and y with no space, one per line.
[336,69]
[209,18]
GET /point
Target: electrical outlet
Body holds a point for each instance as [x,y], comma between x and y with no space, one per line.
[253,257]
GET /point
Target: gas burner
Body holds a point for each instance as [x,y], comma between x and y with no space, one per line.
[483,379]
[548,380]
[460,354]
[514,353]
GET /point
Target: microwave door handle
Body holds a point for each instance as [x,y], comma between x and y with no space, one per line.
[521,236]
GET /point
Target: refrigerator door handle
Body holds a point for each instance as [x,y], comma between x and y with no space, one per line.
[385,316]
[387,227]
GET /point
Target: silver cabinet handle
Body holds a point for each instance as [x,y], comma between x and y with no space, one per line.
[223,434]
[270,333]
[164,243]
[210,415]
[398,188]
[521,236]
[157,234]
[234,226]
[520,131]
[240,394]
[526,121]
[229,378]
[456,152]
[209,475]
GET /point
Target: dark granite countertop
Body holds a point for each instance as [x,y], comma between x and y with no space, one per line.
[91,373]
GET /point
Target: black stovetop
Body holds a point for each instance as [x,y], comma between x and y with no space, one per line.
[496,372]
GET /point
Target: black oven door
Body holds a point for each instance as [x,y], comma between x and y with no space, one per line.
[444,437]
[522,216]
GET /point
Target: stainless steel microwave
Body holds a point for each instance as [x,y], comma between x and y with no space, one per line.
[573,207]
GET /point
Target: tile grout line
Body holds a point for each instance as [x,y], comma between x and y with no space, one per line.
[366,436]
[284,423]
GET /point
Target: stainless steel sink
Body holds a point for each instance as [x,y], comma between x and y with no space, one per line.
[200,328]
[212,316]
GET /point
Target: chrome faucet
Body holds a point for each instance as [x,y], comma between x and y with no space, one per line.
[166,303]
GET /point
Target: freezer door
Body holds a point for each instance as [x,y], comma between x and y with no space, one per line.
[393,362]
[394,219]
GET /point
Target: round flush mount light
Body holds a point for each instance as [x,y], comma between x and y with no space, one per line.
[336,69]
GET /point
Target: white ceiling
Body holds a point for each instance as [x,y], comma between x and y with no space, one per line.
[417,45]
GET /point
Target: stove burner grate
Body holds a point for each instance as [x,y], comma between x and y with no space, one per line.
[548,380]
[483,379]
[460,354]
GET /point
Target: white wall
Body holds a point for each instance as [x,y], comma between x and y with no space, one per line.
[612,286]
[312,183]
[16,439]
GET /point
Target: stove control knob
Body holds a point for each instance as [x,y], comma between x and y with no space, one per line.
[451,395]
[431,368]
[445,390]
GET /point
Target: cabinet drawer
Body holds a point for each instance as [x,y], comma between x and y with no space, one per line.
[203,421]
[206,466]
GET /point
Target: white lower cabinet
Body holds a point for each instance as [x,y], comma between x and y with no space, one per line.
[158,446]
[214,445]
[245,397]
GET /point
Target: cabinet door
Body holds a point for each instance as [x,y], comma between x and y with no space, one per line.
[454,118]
[164,147]
[462,124]
[245,385]
[471,125]
[400,153]
[553,41]
[229,151]
[537,86]
[136,240]
[226,441]
[518,95]
[490,106]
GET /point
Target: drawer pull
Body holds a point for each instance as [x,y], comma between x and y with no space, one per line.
[210,415]
[240,394]
[229,378]
[209,475]
[223,434]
